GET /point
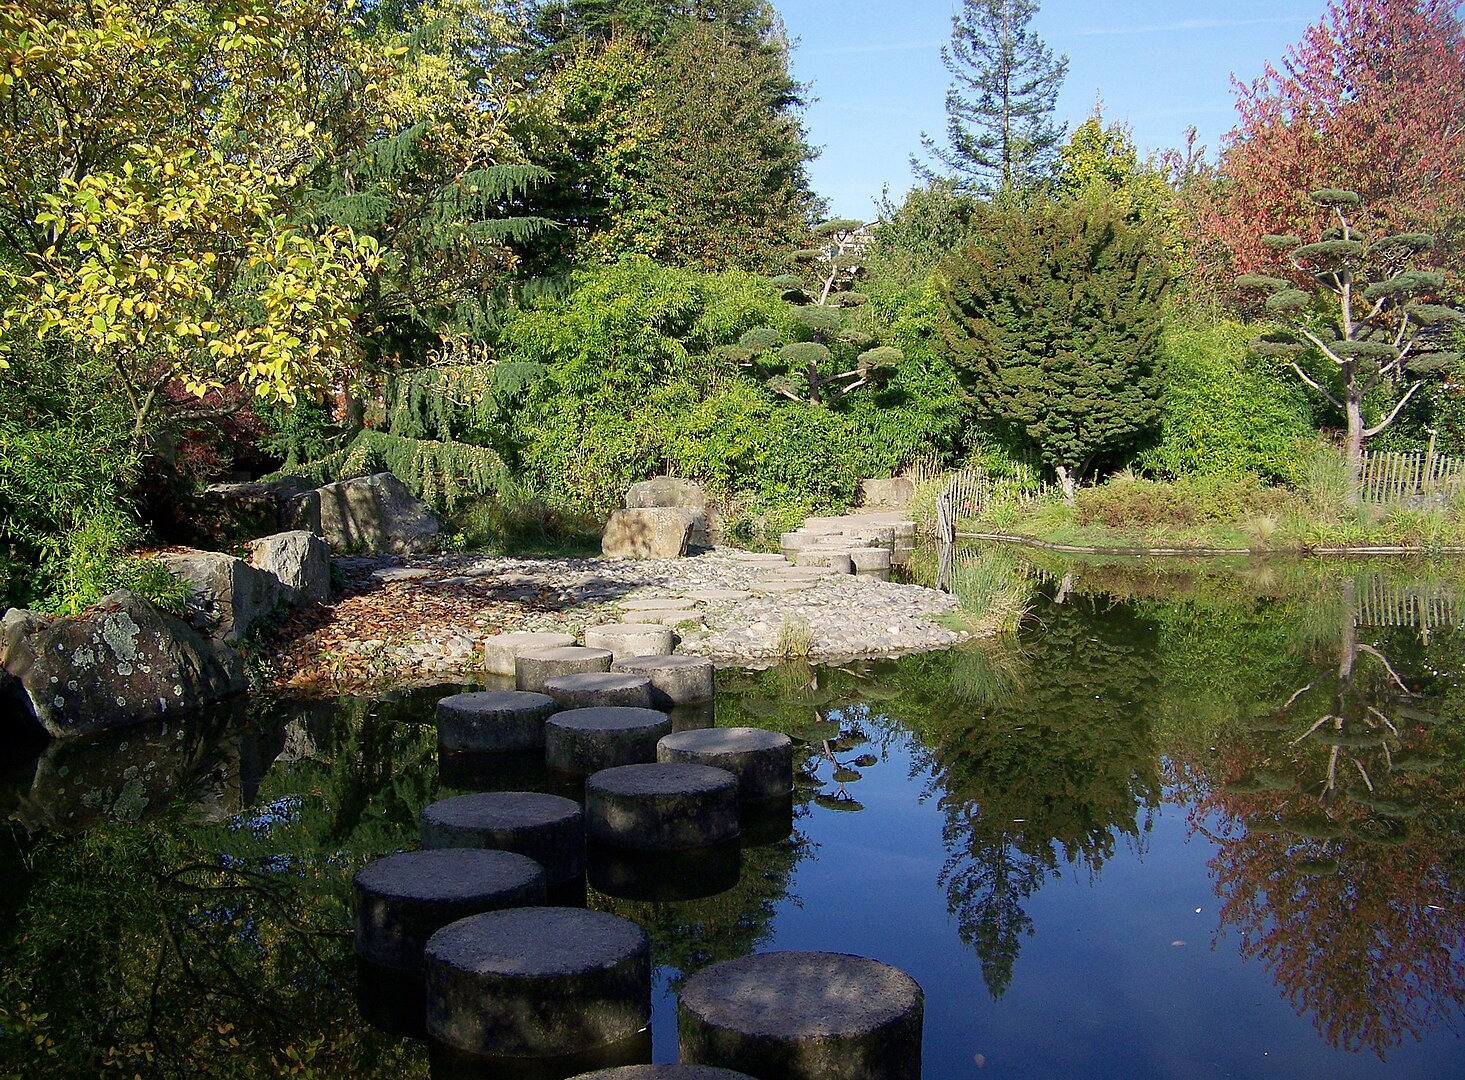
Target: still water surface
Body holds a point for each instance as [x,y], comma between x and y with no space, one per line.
[1202,822]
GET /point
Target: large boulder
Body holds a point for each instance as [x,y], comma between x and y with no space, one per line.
[227,513]
[651,533]
[229,595]
[122,662]
[662,491]
[372,515]
[302,562]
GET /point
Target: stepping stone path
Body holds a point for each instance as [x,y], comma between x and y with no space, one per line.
[546,828]
[493,721]
[598,688]
[803,1016]
[537,982]
[533,668]
[662,807]
[631,639]
[501,651]
[402,899]
[674,680]
[763,761]
[584,741]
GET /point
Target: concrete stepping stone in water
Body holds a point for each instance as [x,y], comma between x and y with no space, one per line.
[501,650]
[803,1016]
[662,807]
[598,688]
[492,721]
[546,828]
[631,639]
[584,741]
[837,561]
[537,982]
[402,899]
[763,761]
[674,680]
[532,668]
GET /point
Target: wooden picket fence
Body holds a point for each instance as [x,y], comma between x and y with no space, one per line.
[1390,477]
[968,491]
[1383,603]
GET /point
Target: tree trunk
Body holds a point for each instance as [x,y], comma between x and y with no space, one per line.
[1067,481]
[1354,449]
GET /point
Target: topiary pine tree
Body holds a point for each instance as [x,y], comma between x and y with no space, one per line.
[1053,316]
[1369,318]
[822,296]
[999,108]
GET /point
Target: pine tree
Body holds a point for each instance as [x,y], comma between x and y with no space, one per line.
[999,109]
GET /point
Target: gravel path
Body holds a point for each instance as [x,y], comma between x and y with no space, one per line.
[426,616]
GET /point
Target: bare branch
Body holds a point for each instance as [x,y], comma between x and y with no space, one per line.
[1386,421]
[1382,659]
[1305,377]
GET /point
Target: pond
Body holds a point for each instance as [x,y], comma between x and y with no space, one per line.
[1195,820]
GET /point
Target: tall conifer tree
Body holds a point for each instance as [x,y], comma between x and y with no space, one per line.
[999,109]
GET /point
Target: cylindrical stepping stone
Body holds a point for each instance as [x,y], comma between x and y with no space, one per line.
[870,560]
[493,721]
[631,639]
[537,982]
[584,741]
[533,667]
[546,828]
[763,761]
[664,1072]
[803,1016]
[661,807]
[402,899]
[838,561]
[663,876]
[600,688]
[501,650]
[674,680]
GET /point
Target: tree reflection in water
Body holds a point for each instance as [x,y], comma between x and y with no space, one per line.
[1342,840]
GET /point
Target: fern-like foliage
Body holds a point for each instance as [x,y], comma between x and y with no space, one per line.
[439,473]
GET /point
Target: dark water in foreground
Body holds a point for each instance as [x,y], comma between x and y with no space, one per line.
[1203,823]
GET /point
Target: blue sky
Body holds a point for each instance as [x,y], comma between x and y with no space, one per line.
[1159,65]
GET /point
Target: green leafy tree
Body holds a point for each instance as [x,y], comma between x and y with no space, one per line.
[1369,318]
[999,109]
[1053,317]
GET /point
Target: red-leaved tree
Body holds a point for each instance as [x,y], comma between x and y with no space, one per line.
[1371,100]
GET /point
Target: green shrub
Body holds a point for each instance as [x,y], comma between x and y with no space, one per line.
[1227,412]
[1190,501]
[92,561]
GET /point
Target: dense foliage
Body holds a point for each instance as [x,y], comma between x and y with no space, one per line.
[1053,316]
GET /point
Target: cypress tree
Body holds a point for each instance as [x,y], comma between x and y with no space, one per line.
[1053,316]
[999,108]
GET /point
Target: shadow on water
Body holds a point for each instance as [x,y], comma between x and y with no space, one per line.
[179,897]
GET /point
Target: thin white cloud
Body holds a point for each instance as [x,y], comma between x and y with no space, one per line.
[1181,27]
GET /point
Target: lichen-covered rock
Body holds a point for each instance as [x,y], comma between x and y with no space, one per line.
[302,562]
[229,595]
[651,533]
[375,515]
[662,491]
[121,662]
